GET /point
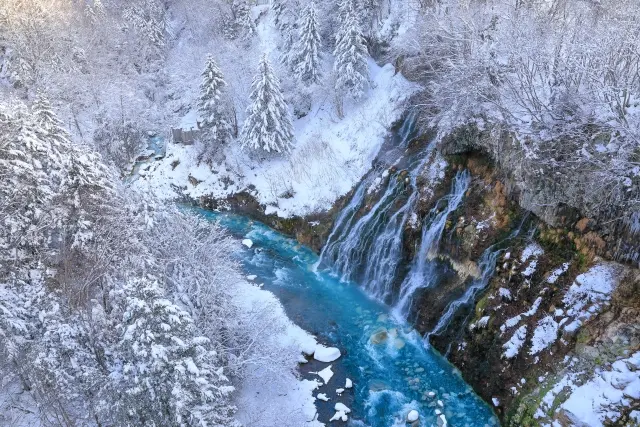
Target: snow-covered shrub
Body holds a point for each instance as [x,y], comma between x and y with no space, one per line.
[120,142]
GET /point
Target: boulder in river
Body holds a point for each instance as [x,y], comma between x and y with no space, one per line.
[326,354]
[379,336]
[341,412]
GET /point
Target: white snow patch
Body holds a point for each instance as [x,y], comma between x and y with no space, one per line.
[248,243]
[348,384]
[515,343]
[555,274]
[510,323]
[326,354]
[589,292]
[544,335]
[326,374]
[505,293]
[533,250]
[603,397]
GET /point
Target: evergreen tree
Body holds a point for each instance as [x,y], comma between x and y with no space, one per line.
[307,65]
[47,119]
[210,105]
[287,57]
[165,373]
[243,19]
[280,11]
[350,67]
[268,124]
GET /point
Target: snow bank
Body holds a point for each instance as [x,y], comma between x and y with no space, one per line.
[330,155]
[271,393]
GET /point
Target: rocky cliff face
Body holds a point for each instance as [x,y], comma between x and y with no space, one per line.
[554,336]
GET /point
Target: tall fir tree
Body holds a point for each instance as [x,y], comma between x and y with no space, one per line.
[307,61]
[47,119]
[350,66]
[280,11]
[244,23]
[290,33]
[268,124]
[215,123]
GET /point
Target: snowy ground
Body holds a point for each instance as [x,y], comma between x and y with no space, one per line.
[271,394]
[330,156]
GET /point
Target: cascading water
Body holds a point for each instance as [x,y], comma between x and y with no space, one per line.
[369,249]
[487,267]
[421,274]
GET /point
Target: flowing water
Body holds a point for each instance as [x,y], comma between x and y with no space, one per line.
[391,369]
[422,273]
[368,249]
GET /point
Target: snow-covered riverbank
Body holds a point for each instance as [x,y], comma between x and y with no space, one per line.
[272,393]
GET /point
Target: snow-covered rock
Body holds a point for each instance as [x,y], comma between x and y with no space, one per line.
[341,412]
[326,374]
[348,384]
[413,416]
[247,242]
[326,354]
[251,277]
[323,397]
[442,421]
[339,391]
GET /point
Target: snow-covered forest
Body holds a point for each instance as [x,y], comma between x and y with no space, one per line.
[119,307]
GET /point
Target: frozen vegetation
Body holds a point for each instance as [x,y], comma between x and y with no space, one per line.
[118,307]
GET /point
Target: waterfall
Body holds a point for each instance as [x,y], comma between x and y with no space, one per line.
[368,249]
[487,267]
[421,273]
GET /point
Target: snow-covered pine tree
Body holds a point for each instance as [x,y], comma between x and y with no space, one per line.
[280,10]
[243,18]
[290,32]
[268,123]
[215,123]
[47,119]
[306,62]
[165,373]
[350,67]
